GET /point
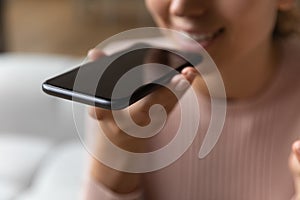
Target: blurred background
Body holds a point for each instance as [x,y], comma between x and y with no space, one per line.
[67,26]
[41,155]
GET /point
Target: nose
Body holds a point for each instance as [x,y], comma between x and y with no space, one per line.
[187,7]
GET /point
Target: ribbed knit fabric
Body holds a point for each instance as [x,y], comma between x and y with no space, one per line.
[250,160]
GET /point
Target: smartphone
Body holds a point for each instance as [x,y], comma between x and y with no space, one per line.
[94,83]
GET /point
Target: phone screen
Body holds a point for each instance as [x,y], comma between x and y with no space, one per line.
[99,79]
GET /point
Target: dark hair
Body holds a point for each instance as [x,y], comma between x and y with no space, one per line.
[288,22]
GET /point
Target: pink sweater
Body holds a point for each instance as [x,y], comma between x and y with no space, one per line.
[250,160]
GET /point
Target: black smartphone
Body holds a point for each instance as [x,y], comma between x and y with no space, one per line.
[94,83]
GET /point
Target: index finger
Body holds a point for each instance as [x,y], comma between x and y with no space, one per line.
[95,54]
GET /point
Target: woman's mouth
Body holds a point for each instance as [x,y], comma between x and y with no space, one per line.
[204,39]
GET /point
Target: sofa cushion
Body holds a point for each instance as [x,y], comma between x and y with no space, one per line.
[61,174]
[9,189]
[20,158]
[24,107]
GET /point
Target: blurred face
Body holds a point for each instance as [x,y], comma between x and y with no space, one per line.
[228,29]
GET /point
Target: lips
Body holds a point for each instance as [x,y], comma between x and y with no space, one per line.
[204,37]
[191,38]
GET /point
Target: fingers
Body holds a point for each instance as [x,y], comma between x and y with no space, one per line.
[99,113]
[94,112]
[95,54]
[165,97]
[189,73]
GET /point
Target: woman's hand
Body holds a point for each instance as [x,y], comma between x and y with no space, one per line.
[139,111]
[125,182]
[294,163]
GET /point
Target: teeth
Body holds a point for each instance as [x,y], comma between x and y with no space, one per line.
[201,37]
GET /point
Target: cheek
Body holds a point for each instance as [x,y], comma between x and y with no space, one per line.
[250,21]
[159,9]
[250,15]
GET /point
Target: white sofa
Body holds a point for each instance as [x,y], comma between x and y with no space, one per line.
[41,156]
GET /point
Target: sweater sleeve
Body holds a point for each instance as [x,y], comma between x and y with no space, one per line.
[93,190]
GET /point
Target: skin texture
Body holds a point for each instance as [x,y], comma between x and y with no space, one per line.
[245,51]
[248,34]
[117,181]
